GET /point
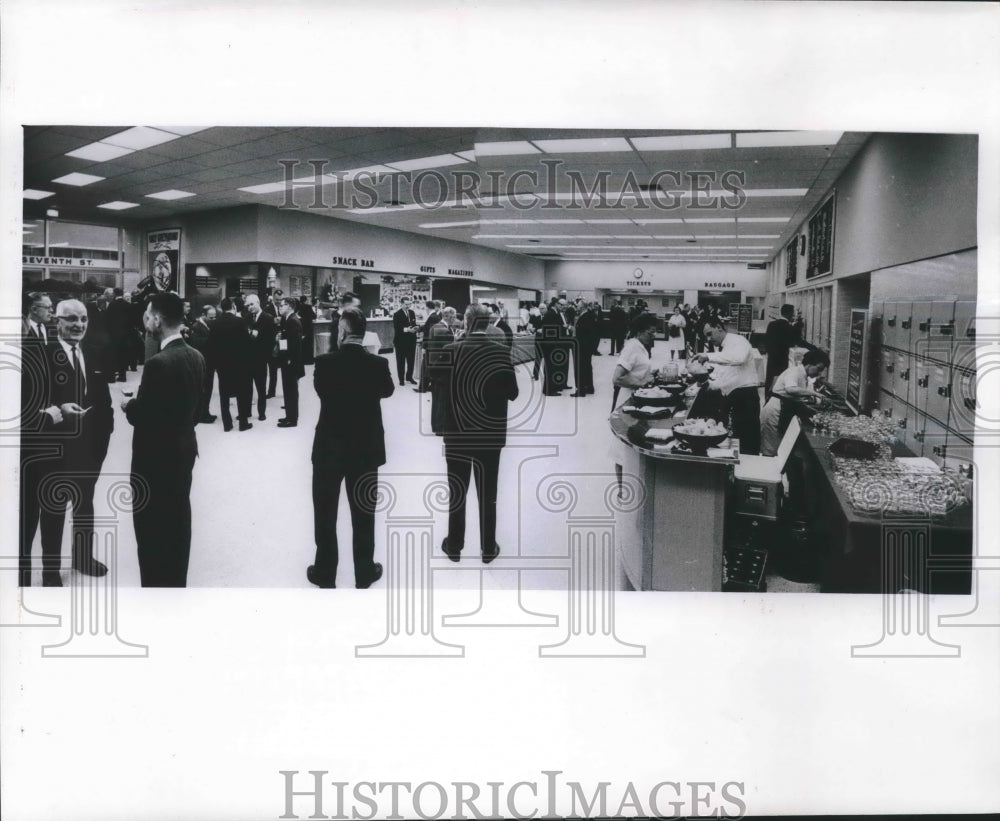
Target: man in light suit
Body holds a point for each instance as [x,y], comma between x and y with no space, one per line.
[164,414]
[349,448]
[475,379]
[78,387]
[289,359]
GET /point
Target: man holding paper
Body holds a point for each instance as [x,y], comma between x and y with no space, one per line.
[78,387]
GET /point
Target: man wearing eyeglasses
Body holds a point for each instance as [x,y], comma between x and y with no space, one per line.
[78,389]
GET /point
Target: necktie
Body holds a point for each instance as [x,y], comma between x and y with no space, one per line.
[40,330]
[81,376]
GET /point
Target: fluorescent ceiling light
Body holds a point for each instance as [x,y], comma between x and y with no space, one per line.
[466,155]
[182,130]
[515,222]
[775,192]
[596,145]
[707,220]
[78,179]
[266,188]
[781,139]
[609,222]
[506,149]
[560,222]
[99,152]
[35,194]
[715,236]
[440,161]
[170,194]
[657,221]
[448,224]
[350,174]
[756,247]
[744,220]
[527,236]
[140,137]
[118,205]
[757,236]
[682,142]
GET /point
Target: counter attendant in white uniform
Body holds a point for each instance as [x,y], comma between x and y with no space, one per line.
[792,383]
[736,376]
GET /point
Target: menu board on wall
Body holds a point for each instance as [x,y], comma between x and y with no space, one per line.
[791,261]
[821,239]
[856,392]
[743,314]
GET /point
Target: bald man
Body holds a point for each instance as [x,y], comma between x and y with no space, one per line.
[78,386]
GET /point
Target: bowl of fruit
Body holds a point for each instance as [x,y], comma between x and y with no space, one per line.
[698,435]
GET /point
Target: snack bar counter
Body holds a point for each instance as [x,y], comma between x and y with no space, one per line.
[670,519]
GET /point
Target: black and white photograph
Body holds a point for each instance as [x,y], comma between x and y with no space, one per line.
[654,436]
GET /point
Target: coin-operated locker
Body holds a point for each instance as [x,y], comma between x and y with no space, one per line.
[964,404]
[899,326]
[903,376]
[935,328]
[886,404]
[887,369]
[964,342]
[889,323]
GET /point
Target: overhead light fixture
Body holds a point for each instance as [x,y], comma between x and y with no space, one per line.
[744,220]
[170,194]
[77,179]
[35,194]
[119,205]
[182,130]
[775,192]
[682,142]
[707,220]
[657,221]
[51,211]
[595,145]
[350,174]
[785,139]
[506,149]
[440,161]
[99,152]
[266,188]
[449,224]
[140,137]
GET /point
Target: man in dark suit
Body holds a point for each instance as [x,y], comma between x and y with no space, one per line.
[271,309]
[119,330]
[404,340]
[556,357]
[78,387]
[779,339]
[349,447]
[229,349]
[263,332]
[433,318]
[200,332]
[618,326]
[476,380]
[586,338]
[289,358]
[38,419]
[164,414]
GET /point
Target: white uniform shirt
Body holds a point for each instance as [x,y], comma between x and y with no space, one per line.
[735,367]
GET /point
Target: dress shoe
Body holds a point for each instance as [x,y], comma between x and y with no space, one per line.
[454,555]
[207,419]
[226,428]
[270,396]
[489,557]
[287,423]
[89,566]
[51,578]
[262,417]
[376,575]
[402,384]
[313,575]
[579,393]
[412,381]
[245,425]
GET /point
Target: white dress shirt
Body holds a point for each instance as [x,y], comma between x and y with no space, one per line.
[735,365]
[167,340]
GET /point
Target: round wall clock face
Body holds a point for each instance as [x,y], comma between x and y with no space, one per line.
[162,271]
[638,273]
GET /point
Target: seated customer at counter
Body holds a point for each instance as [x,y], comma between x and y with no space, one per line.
[736,377]
[790,385]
